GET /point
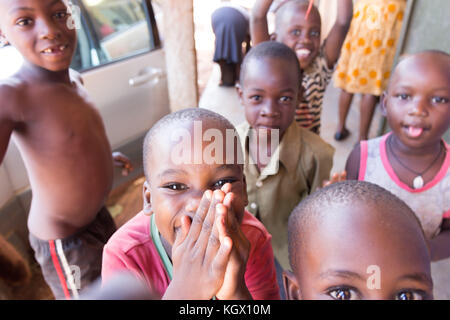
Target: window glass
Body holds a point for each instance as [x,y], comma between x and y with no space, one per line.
[111,30]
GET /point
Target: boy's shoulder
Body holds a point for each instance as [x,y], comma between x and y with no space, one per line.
[255,231]
[134,233]
[12,92]
[11,87]
[314,142]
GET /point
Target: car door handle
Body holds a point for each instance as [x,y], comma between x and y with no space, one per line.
[145,76]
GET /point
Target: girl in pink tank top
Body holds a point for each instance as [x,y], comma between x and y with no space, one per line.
[413,160]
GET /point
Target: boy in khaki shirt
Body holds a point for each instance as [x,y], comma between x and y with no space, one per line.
[283,162]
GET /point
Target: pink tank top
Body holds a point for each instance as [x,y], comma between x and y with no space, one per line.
[431,203]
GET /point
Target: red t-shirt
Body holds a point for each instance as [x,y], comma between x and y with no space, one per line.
[131,249]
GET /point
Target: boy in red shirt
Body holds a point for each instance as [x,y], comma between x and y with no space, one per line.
[190,242]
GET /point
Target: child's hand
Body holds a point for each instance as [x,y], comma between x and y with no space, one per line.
[122,161]
[200,253]
[234,287]
[337,177]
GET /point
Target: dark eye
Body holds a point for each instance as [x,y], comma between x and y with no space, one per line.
[256,98]
[219,184]
[409,295]
[24,22]
[343,294]
[61,15]
[314,34]
[285,99]
[296,32]
[175,186]
[439,100]
[403,96]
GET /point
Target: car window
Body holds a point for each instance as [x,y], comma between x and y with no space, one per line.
[112,30]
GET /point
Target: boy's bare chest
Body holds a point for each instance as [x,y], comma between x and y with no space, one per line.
[61,116]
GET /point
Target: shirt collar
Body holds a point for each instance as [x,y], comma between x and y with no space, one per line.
[287,152]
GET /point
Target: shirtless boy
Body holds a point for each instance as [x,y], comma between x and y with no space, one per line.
[63,143]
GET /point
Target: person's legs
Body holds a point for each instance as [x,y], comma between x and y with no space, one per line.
[368,103]
[228,73]
[345,100]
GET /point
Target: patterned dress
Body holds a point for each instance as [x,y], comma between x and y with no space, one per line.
[369,48]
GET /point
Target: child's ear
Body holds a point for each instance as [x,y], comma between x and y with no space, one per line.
[3,41]
[239,91]
[291,288]
[383,103]
[147,199]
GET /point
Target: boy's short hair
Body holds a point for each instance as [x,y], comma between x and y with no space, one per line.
[314,207]
[185,115]
[288,6]
[271,49]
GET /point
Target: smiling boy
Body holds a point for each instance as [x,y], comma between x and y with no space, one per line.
[299,27]
[173,244]
[62,140]
[298,162]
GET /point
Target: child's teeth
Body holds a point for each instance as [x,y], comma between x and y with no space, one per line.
[303,52]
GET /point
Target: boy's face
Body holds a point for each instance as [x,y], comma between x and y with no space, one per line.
[39,30]
[174,190]
[417,103]
[300,34]
[270,91]
[356,254]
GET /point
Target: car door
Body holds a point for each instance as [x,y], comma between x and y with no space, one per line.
[122,65]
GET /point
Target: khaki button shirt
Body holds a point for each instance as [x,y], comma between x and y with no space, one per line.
[305,161]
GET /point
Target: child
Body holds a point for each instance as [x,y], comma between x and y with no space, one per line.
[269,91]
[299,27]
[367,58]
[355,240]
[167,244]
[63,143]
[413,161]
